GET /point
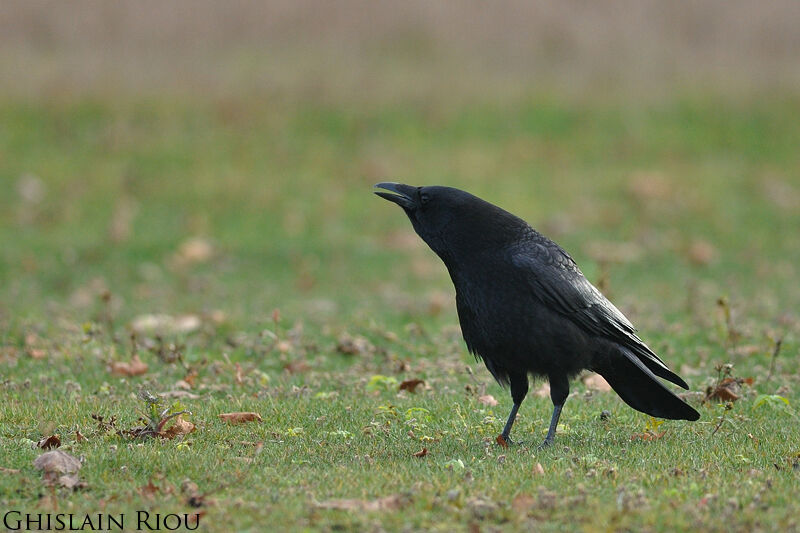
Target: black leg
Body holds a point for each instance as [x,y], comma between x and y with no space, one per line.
[559,390]
[519,389]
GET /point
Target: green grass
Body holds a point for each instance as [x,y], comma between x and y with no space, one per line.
[672,206]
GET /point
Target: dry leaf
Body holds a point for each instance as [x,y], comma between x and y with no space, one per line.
[240,417]
[190,378]
[33,346]
[297,366]
[701,252]
[422,453]
[283,346]
[538,470]
[381,504]
[36,353]
[727,390]
[48,443]
[79,436]
[193,250]
[57,461]
[596,382]
[543,391]
[437,301]
[181,384]
[70,481]
[648,435]
[487,399]
[357,345]
[522,502]
[178,427]
[4,470]
[165,324]
[410,385]
[195,498]
[149,491]
[501,441]
[135,368]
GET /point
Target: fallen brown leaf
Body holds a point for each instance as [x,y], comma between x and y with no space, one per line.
[36,353]
[33,346]
[437,301]
[648,435]
[410,385]
[501,441]
[57,461]
[387,503]
[192,521]
[190,378]
[596,382]
[195,498]
[701,252]
[522,502]
[297,366]
[178,427]
[357,345]
[135,368]
[240,417]
[79,436]
[47,443]
[70,481]
[193,250]
[165,324]
[422,453]
[487,399]
[149,491]
[726,390]
[543,391]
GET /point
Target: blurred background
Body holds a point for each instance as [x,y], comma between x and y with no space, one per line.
[217,158]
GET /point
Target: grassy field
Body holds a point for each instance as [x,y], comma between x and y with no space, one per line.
[307,300]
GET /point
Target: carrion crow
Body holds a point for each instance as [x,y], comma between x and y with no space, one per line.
[525,307]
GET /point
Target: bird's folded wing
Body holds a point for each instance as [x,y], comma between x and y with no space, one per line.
[557,281]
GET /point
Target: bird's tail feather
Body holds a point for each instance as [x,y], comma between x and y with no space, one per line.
[638,387]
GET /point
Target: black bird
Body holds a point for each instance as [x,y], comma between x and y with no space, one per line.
[525,307]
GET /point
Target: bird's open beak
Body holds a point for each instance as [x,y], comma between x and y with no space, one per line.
[400,194]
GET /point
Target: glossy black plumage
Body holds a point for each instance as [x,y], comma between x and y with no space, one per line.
[525,308]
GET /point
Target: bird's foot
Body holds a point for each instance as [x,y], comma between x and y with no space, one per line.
[546,443]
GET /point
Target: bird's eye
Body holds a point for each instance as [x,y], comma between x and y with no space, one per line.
[424,198]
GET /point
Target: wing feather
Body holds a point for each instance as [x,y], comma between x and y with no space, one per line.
[558,282]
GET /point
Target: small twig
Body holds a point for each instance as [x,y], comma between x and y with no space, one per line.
[775,352]
[728,407]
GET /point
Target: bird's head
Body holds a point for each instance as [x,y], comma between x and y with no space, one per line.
[443,216]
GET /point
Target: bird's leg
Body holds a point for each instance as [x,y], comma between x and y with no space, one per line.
[509,423]
[519,389]
[559,390]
